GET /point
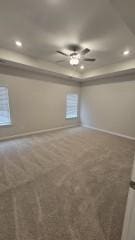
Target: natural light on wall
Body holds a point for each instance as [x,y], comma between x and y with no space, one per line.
[72,106]
[4,107]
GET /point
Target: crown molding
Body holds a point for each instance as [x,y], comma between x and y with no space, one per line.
[120,76]
[14,59]
[20,65]
[19,70]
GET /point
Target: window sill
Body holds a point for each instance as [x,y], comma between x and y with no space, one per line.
[5,124]
[72,118]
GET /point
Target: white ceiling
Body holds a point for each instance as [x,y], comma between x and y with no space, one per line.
[107,27]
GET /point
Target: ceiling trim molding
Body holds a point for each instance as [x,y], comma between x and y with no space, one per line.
[120,76]
[10,58]
[33,73]
[23,70]
[126,65]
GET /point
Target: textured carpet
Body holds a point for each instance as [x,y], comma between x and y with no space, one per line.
[65,185]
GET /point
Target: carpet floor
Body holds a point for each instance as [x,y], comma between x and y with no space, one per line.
[64,185]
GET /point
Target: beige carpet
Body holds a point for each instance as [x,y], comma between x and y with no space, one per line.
[65,185]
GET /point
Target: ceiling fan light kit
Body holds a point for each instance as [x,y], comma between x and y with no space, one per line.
[77,55]
[74,61]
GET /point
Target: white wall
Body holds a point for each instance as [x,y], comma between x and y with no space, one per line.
[109,107]
[36,104]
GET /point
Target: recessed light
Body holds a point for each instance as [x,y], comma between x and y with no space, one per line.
[18,43]
[82,67]
[126,52]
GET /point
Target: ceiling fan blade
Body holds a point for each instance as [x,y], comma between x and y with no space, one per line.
[89,59]
[85,51]
[60,61]
[60,52]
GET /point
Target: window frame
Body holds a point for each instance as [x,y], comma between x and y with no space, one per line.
[7,124]
[72,118]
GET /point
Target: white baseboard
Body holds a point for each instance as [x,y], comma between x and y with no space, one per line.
[21,135]
[109,132]
[60,128]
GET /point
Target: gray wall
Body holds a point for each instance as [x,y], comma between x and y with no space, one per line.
[109,107]
[36,104]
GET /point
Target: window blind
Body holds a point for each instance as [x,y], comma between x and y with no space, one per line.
[4,107]
[72,106]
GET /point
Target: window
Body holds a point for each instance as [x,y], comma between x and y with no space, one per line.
[4,107]
[72,106]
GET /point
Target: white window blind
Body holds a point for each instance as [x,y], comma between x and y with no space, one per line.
[72,106]
[4,107]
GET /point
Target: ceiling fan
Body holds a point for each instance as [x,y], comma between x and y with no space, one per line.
[76,55]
